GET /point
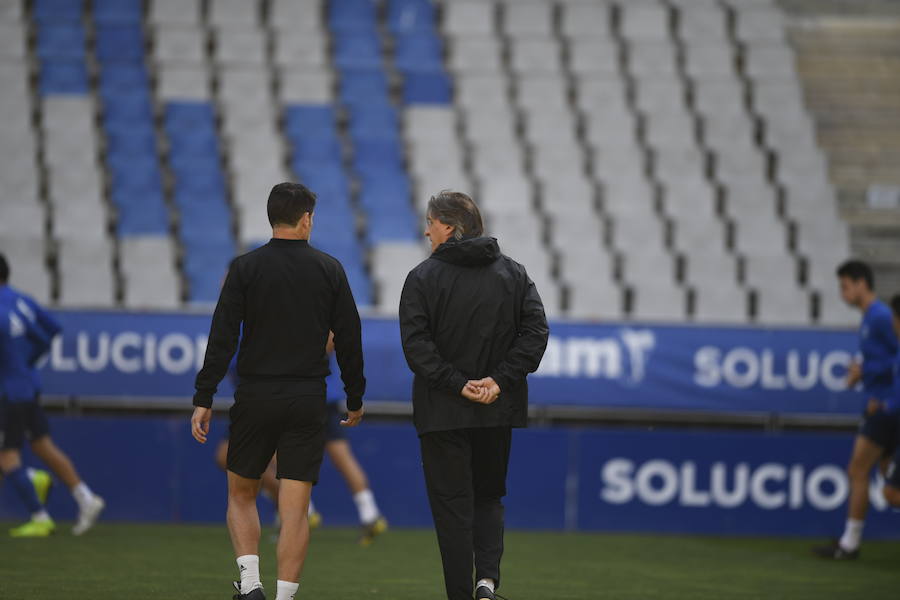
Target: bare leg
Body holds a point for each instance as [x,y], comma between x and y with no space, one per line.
[865,454]
[57,460]
[222,455]
[242,516]
[342,456]
[293,503]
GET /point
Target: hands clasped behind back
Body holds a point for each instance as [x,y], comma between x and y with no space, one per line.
[481,391]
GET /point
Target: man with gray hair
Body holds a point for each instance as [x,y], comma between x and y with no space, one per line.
[473,327]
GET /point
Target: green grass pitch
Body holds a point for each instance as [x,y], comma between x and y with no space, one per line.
[194,562]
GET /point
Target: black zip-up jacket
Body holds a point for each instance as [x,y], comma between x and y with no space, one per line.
[287,295]
[469,312]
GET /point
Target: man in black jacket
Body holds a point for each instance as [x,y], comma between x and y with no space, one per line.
[286,296]
[473,327]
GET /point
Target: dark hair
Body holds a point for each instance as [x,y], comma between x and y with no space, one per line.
[4,269]
[457,210]
[288,202]
[856,270]
[895,305]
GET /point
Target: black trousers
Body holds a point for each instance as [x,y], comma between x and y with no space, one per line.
[465,473]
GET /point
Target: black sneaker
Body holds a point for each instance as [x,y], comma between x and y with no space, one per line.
[834,551]
[484,593]
[257,594]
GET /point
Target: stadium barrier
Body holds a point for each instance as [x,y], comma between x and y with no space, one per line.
[149,359]
[678,481]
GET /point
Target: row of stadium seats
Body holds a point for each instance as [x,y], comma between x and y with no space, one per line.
[643,159]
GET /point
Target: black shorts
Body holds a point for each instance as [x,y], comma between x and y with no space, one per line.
[333,429]
[20,421]
[880,428]
[293,427]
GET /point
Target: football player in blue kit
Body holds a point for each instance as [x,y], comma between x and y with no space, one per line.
[877,436]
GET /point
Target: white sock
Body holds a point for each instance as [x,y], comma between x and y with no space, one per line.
[82,494]
[248,565]
[286,590]
[852,537]
[488,583]
[41,515]
[365,505]
[311,509]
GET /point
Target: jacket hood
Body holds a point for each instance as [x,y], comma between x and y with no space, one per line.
[468,252]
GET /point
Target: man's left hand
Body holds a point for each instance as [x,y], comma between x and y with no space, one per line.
[200,423]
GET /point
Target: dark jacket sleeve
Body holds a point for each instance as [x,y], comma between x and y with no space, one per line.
[348,342]
[421,353]
[525,355]
[223,337]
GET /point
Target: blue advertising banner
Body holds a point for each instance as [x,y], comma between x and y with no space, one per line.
[722,483]
[676,481]
[663,367]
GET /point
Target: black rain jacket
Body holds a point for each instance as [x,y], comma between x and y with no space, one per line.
[469,312]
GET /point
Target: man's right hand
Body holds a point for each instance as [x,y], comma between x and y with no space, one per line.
[354,417]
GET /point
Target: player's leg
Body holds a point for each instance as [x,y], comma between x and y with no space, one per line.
[865,455]
[341,455]
[221,456]
[270,483]
[293,504]
[490,459]
[13,422]
[90,505]
[301,446]
[243,527]
[447,462]
[252,442]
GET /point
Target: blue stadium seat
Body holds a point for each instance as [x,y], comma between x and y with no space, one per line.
[202,142]
[326,149]
[418,51]
[427,87]
[358,50]
[131,176]
[199,171]
[194,190]
[322,176]
[377,154]
[184,116]
[391,226]
[63,77]
[386,190]
[123,76]
[363,87]
[351,15]
[146,214]
[119,43]
[57,10]
[410,15]
[135,138]
[374,122]
[61,41]
[118,11]
[310,121]
[123,108]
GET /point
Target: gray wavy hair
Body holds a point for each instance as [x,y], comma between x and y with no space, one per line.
[457,210]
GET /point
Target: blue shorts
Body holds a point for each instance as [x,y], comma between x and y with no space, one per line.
[881,428]
[333,429]
[20,421]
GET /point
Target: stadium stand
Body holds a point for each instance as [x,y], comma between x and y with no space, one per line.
[648,160]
